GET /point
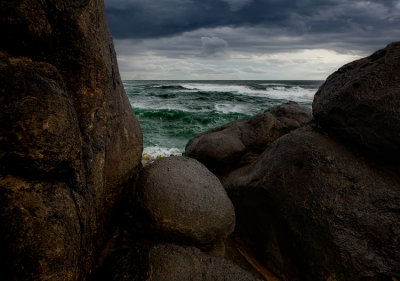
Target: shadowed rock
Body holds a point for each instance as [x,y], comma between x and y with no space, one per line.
[69,140]
[169,262]
[240,142]
[314,210]
[185,201]
[125,264]
[360,103]
[176,263]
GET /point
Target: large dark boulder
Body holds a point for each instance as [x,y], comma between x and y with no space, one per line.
[311,209]
[176,263]
[69,140]
[240,142]
[169,262]
[125,264]
[185,202]
[360,103]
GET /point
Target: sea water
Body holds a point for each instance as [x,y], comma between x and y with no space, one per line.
[172,112]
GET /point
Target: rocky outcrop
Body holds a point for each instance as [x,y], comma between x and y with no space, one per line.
[69,140]
[360,103]
[239,143]
[185,202]
[322,202]
[314,210]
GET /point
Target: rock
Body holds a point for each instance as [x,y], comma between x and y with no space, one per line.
[172,262]
[185,201]
[41,230]
[314,210]
[69,140]
[169,262]
[240,142]
[125,264]
[360,103]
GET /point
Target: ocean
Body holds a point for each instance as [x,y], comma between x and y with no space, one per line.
[172,112]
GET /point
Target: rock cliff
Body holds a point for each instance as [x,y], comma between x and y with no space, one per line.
[69,140]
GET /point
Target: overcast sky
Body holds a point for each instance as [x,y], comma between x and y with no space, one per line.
[247,39]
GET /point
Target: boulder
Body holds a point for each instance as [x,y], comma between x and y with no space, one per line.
[360,103]
[169,262]
[240,142]
[185,202]
[69,140]
[175,263]
[312,209]
[125,264]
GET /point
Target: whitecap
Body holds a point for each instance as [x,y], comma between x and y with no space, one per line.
[227,108]
[155,151]
[216,88]
[159,106]
[296,93]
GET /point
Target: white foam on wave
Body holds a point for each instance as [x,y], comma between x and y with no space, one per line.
[231,108]
[158,106]
[155,151]
[216,88]
[296,93]
[293,93]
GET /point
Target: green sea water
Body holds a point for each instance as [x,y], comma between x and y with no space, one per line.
[172,112]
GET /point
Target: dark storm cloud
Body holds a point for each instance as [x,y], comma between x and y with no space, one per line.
[155,18]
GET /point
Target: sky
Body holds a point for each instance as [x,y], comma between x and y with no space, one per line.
[247,39]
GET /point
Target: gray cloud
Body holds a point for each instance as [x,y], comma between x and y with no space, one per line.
[363,25]
[237,4]
[168,32]
[213,46]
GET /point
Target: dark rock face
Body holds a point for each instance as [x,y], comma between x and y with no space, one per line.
[170,262]
[125,264]
[176,263]
[68,139]
[185,201]
[314,210]
[361,103]
[240,142]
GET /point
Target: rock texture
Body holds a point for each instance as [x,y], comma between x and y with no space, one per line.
[169,262]
[323,201]
[69,139]
[185,201]
[241,142]
[176,263]
[125,264]
[361,103]
[314,210]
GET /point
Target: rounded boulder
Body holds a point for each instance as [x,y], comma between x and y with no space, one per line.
[238,143]
[185,201]
[360,103]
[174,263]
